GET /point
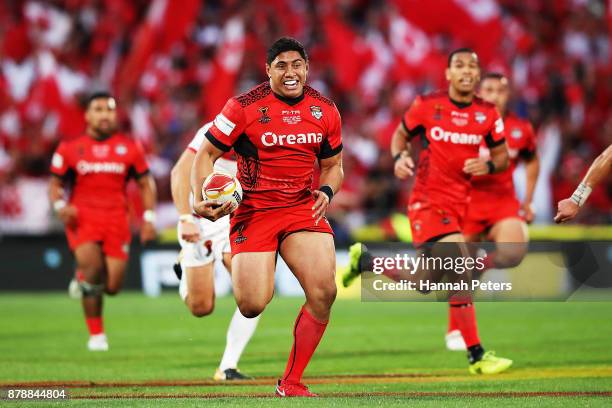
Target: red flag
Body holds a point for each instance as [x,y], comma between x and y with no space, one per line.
[166,23]
[411,45]
[143,46]
[227,63]
[473,23]
[348,52]
[179,19]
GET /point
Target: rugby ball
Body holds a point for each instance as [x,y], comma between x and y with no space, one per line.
[222,187]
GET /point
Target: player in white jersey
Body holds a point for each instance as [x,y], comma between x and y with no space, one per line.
[202,242]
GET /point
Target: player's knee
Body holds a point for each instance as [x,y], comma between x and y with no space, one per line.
[91,289]
[324,294]
[201,307]
[329,294]
[92,274]
[251,308]
[199,310]
[509,259]
[112,289]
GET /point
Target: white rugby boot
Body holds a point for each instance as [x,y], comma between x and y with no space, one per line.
[97,342]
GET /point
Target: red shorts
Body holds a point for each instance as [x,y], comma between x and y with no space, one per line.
[257,230]
[109,229]
[486,210]
[432,221]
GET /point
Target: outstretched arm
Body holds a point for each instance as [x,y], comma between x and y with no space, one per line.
[568,208]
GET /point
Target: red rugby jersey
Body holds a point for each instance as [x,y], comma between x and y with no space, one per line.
[450,132]
[99,170]
[521,142]
[277,141]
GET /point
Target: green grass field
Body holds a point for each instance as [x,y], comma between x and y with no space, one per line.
[383,354]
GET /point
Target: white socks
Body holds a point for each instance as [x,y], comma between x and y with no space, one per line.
[183,285]
[239,333]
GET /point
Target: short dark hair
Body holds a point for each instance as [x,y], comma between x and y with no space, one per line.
[493,75]
[285,44]
[97,95]
[459,51]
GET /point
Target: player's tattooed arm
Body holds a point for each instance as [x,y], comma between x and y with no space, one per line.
[64,211]
[401,150]
[148,192]
[478,166]
[568,208]
[203,165]
[332,175]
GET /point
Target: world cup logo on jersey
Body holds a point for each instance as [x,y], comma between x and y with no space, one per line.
[480,117]
[121,150]
[516,133]
[264,117]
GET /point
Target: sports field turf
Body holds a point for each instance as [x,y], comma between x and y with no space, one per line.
[383,354]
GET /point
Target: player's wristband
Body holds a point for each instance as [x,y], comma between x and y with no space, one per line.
[328,191]
[491,166]
[58,205]
[581,194]
[187,218]
[149,216]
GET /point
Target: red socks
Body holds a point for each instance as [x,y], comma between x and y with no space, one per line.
[463,316]
[95,325]
[307,334]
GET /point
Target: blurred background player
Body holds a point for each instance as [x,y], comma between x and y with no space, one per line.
[202,242]
[450,125]
[494,213]
[96,167]
[568,208]
[278,130]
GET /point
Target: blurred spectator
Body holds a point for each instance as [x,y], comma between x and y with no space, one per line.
[173,64]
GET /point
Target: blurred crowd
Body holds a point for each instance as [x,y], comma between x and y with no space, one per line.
[173,64]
